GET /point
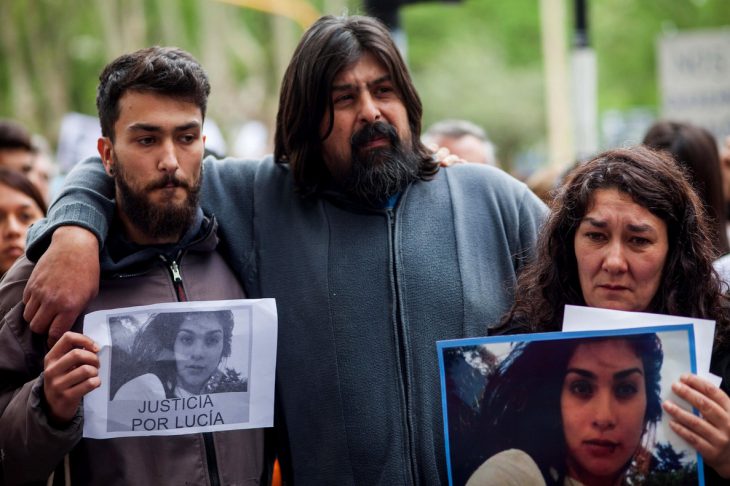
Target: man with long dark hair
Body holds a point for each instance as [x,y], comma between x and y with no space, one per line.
[372,253]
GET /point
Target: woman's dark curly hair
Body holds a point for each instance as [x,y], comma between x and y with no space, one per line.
[689,284]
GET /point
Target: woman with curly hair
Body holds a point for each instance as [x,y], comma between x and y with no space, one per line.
[180,354]
[626,231]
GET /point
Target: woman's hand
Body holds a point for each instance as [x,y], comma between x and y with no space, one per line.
[710,433]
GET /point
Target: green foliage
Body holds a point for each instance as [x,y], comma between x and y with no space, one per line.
[667,467]
[477,59]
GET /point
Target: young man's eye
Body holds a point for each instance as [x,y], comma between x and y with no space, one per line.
[188,138]
[146,141]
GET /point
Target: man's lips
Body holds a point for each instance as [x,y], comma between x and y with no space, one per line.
[376,142]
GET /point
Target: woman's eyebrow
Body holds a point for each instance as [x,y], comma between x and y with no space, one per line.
[581,372]
[626,373]
[639,228]
[595,222]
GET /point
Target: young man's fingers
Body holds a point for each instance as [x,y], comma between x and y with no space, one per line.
[70,341]
[73,377]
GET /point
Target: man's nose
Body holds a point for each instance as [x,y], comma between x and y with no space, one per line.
[168,157]
[369,109]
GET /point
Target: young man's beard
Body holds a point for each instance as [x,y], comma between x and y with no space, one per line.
[382,172]
[157,220]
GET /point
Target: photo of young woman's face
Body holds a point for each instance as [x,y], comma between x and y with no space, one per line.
[603,407]
[198,350]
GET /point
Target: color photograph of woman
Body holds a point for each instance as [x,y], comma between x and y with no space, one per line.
[577,411]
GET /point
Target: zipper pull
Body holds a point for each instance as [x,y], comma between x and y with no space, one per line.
[177,280]
[175,270]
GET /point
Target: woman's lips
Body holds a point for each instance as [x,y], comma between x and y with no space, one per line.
[13,251]
[613,287]
[601,447]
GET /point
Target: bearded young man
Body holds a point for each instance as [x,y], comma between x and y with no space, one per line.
[372,253]
[160,248]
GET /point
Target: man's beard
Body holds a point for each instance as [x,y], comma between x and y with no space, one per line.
[156,220]
[379,173]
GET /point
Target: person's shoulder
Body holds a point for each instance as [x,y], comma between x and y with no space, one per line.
[142,387]
[485,178]
[722,267]
[243,173]
[510,467]
[13,283]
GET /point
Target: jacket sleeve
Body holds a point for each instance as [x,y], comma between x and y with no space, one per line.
[86,200]
[30,447]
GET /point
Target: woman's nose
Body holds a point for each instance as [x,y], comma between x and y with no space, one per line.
[614,260]
[12,227]
[196,350]
[604,415]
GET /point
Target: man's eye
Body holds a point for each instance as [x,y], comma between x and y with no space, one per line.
[146,141]
[188,138]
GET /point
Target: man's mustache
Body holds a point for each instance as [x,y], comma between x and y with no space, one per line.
[166,180]
[372,131]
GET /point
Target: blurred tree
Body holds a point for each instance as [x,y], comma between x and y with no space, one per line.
[477,59]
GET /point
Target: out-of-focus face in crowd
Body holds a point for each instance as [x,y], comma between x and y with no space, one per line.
[17,212]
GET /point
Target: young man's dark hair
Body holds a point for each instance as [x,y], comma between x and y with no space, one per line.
[329,46]
[165,70]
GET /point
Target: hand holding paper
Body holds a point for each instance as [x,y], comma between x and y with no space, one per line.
[710,433]
[71,371]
